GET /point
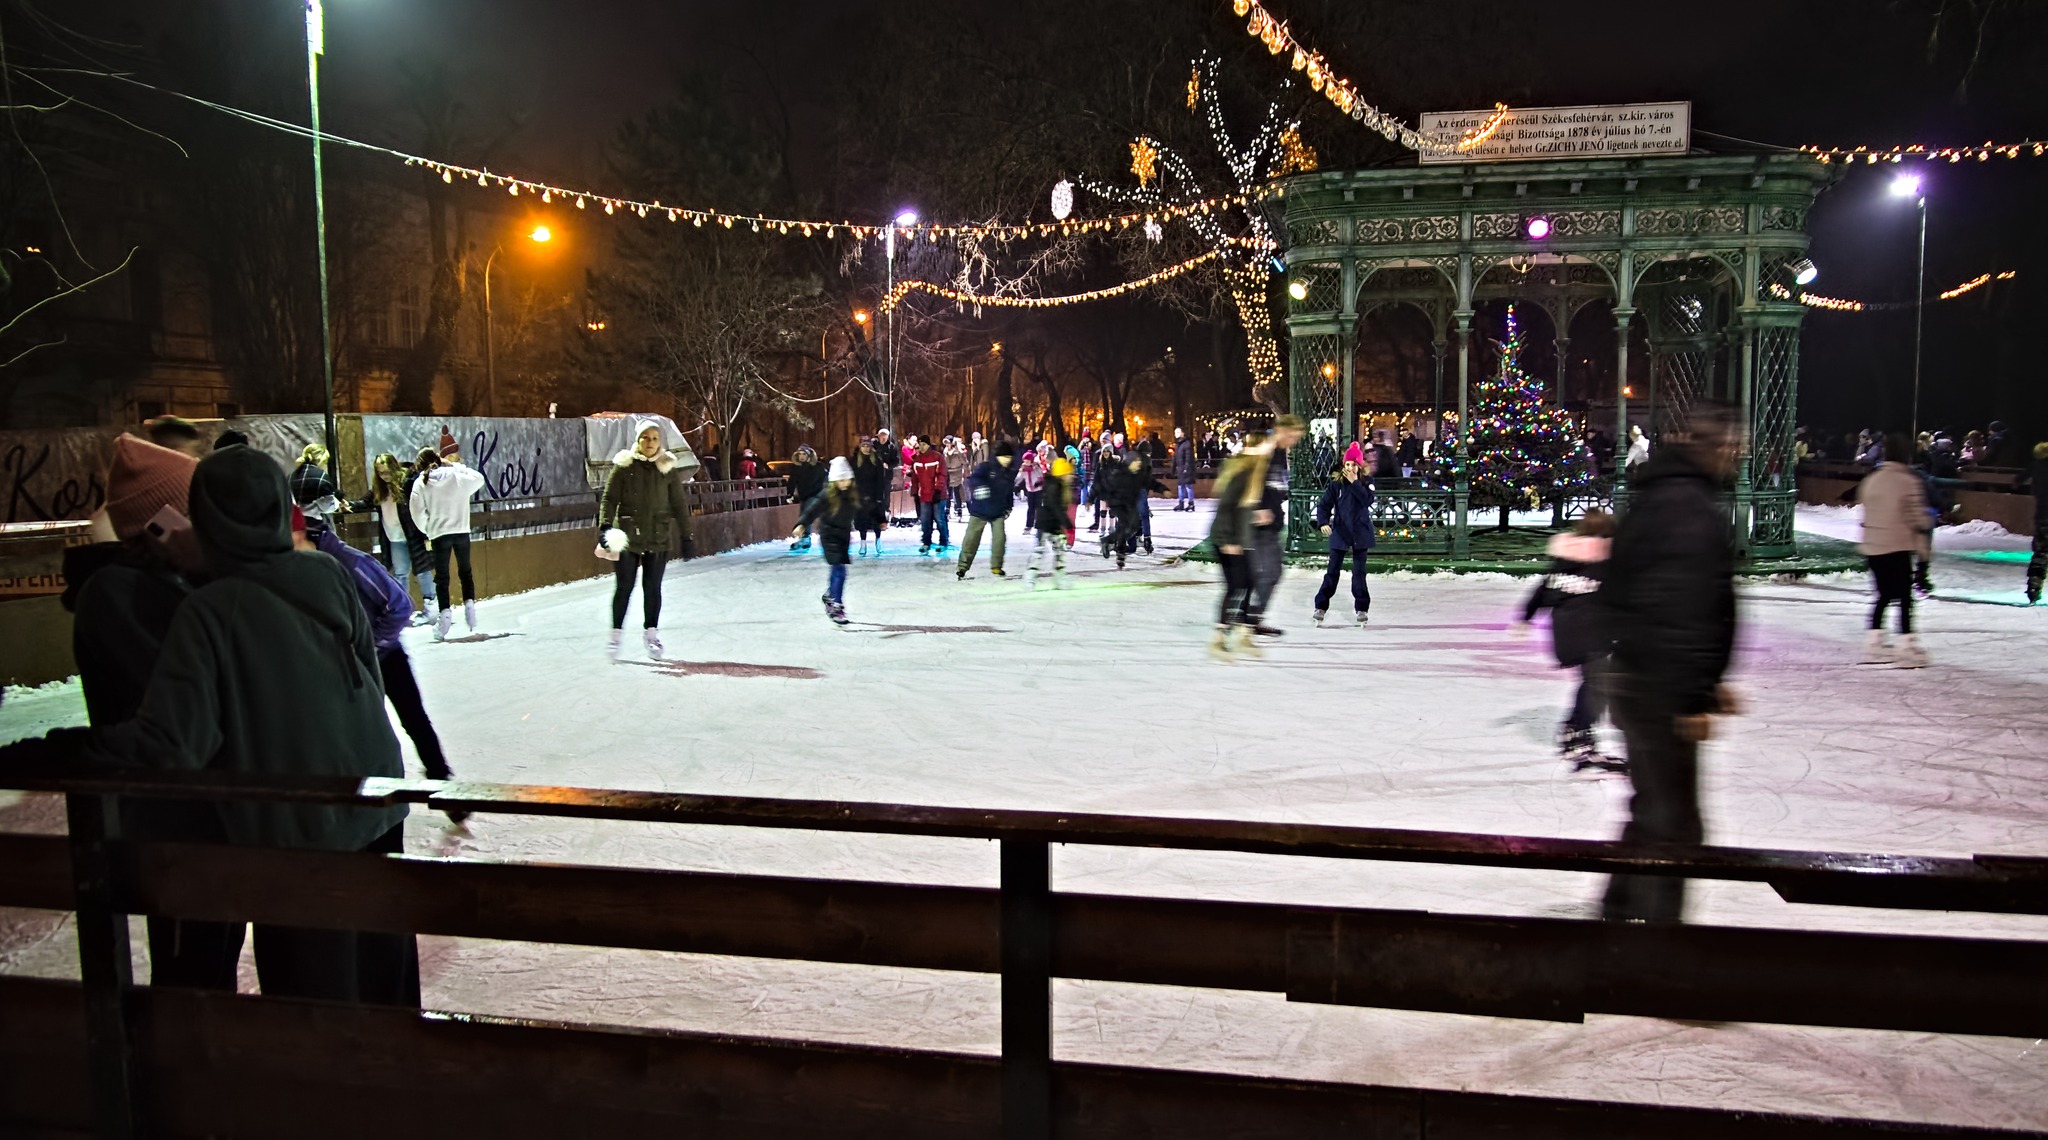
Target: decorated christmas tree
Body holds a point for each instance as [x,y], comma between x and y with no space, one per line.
[1524,452]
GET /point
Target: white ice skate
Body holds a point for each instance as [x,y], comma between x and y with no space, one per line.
[653,644]
[1242,642]
[1320,615]
[444,622]
[1219,644]
[469,614]
[611,648]
[1875,651]
[1909,654]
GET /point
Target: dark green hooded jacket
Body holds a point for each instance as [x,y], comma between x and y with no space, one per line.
[645,498]
[269,668]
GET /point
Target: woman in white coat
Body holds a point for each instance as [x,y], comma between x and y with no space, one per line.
[440,508]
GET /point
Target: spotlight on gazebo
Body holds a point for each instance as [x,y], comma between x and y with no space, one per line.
[1536,228]
[1298,290]
[1803,271]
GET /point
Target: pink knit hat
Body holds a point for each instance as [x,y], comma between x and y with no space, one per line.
[1354,454]
[143,480]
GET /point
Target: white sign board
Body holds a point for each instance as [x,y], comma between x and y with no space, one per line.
[1626,130]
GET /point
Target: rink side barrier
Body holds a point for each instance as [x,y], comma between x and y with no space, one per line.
[108,1056]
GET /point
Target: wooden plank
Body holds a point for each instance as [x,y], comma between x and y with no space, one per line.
[232,1065]
[1502,967]
[1909,881]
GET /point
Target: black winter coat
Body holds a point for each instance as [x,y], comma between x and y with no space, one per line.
[805,481]
[1053,501]
[1669,593]
[1184,461]
[1570,591]
[871,478]
[837,513]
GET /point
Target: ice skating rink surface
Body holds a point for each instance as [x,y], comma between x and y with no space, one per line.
[1437,715]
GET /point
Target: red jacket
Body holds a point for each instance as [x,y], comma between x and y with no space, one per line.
[928,476]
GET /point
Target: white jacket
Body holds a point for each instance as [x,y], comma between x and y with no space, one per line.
[440,499]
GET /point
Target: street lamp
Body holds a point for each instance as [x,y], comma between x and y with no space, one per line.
[903,219]
[1908,185]
[316,43]
[539,235]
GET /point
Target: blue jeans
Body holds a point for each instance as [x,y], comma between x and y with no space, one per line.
[927,514]
[1186,494]
[835,582]
[401,569]
[1145,515]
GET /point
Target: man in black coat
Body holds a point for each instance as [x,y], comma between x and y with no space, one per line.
[1670,598]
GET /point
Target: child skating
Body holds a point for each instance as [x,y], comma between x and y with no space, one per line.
[1578,564]
[836,510]
[1053,511]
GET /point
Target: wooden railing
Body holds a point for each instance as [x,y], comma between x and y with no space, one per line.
[107,1055]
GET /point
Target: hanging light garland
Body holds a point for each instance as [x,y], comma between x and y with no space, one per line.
[1272,32]
[1843,305]
[997,300]
[1873,155]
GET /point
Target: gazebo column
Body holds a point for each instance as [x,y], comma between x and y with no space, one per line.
[1622,318]
[1745,486]
[1347,340]
[1461,478]
[1564,363]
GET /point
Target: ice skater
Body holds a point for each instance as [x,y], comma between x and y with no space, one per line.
[872,478]
[642,513]
[928,487]
[1670,597]
[806,479]
[1344,516]
[836,510]
[1578,563]
[1240,486]
[439,506]
[1896,526]
[1183,471]
[991,492]
[2037,566]
[1268,533]
[1055,519]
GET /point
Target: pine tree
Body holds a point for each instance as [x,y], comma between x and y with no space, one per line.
[1524,452]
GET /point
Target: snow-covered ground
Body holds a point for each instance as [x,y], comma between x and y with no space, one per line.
[1438,715]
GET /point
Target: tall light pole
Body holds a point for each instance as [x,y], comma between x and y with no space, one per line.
[1909,186]
[906,218]
[316,43]
[540,235]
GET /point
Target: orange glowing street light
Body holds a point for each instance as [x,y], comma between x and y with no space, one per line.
[860,316]
[542,234]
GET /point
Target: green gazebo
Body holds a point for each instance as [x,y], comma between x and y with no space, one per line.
[1696,254]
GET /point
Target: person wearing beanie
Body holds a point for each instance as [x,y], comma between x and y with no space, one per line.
[643,513]
[928,487]
[1055,511]
[836,511]
[439,506]
[269,669]
[177,434]
[448,450]
[232,437]
[955,453]
[1344,517]
[389,607]
[871,475]
[1183,471]
[123,596]
[991,492]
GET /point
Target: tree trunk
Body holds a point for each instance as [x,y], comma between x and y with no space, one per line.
[1006,415]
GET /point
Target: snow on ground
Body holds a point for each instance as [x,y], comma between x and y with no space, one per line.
[1438,715]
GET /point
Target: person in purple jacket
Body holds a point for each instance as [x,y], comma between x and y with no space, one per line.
[390,611]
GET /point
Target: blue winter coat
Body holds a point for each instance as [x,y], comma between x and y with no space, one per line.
[1346,508]
[991,490]
[385,601]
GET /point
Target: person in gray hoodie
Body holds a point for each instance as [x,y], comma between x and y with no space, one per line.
[270,669]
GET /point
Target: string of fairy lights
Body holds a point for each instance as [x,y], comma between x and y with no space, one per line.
[1983,152]
[1343,94]
[1000,300]
[1844,305]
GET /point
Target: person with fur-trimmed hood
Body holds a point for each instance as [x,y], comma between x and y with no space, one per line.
[872,477]
[836,510]
[642,514]
[1570,591]
[806,479]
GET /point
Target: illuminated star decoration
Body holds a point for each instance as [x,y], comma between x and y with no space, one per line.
[1144,160]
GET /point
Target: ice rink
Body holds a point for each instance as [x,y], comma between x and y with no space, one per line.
[1437,715]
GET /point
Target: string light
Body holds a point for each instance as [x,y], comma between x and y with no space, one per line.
[905,288]
[1843,305]
[1873,155]
[1272,32]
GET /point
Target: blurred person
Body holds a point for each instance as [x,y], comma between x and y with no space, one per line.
[1240,488]
[991,493]
[1055,509]
[1578,633]
[2037,566]
[1031,481]
[312,481]
[1269,532]
[400,540]
[642,517]
[177,434]
[806,479]
[269,669]
[232,437]
[835,511]
[1638,449]
[1669,594]
[1344,518]
[1896,530]
[439,507]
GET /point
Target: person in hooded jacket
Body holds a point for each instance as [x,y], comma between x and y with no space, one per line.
[928,487]
[1344,516]
[1669,596]
[872,477]
[123,596]
[835,511]
[270,669]
[991,493]
[440,508]
[955,454]
[1055,517]
[643,513]
[806,479]
[1570,591]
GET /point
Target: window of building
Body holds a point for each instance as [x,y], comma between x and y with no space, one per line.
[412,316]
[377,328]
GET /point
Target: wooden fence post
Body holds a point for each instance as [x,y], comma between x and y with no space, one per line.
[1027,990]
[104,964]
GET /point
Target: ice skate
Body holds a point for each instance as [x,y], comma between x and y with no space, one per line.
[1875,651]
[836,612]
[1264,630]
[653,644]
[1909,654]
[1059,580]
[863,548]
[422,617]
[1358,617]
[997,572]
[1219,644]
[444,622]
[611,648]
[1242,642]
[924,550]
[959,575]
[1031,576]
[469,614]
[1148,546]
[1320,615]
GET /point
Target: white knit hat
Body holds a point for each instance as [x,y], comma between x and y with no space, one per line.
[840,469]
